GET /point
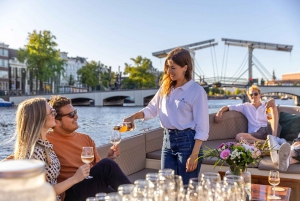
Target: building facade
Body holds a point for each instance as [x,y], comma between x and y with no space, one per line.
[18,78]
[72,65]
[4,69]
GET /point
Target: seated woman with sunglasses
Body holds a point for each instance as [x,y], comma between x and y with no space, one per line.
[255,112]
[31,142]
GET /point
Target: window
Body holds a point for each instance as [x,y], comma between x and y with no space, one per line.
[12,72]
[3,74]
[3,52]
[19,72]
[3,63]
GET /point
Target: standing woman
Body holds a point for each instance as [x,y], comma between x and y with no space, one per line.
[33,119]
[181,105]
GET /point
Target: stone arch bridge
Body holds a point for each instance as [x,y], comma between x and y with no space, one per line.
[100,98]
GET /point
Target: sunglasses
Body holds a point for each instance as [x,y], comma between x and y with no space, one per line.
[71,114]
[52,112]
[255,94]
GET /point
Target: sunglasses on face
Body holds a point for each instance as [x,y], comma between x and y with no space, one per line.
[255,94]
[70,115]
[52,112]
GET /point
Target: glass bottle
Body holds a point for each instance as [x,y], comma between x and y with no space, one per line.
[268,113]
[24,180]
[124,127]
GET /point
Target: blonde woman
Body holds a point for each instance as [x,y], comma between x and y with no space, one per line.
[33,119]
[182,107]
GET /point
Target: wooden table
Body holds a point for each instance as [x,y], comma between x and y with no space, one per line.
[261,192]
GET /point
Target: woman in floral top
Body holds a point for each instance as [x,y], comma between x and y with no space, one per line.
[33,119]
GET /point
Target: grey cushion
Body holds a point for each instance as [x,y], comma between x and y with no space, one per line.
[267,164]
[140,174]
[232,123]
[154,155]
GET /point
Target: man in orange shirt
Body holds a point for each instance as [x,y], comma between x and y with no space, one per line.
[67,144]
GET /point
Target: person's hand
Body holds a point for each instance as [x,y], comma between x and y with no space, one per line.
[218,117]
[113,152]
[192,162]
[82,172]
[129,119]
[270,103]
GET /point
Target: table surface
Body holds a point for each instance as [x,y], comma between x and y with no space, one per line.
[261,192]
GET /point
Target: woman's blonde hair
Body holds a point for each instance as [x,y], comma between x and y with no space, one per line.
[30,119]
[181,57]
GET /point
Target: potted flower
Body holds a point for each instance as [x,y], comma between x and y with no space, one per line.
[238,156]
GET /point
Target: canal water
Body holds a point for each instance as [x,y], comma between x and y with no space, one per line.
[98,122]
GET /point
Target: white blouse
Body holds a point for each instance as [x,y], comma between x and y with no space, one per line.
[185,107]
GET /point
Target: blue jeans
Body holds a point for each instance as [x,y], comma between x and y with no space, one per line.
[177,148]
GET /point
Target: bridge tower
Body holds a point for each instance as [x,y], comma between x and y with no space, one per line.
[196,46]
[251,45]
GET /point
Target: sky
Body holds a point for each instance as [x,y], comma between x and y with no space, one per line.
[112,32]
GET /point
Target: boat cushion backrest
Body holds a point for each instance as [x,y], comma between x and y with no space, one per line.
[154,140]
[133,154]
[231,124]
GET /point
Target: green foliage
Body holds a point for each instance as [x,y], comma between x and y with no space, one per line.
[139,75]
[41,56]
[89,74]
[107,79]
[71,80]
[228,92]
[237,91]
[215,91]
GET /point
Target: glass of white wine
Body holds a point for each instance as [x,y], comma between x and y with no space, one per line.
[274,180]
[87,156]
[115,138]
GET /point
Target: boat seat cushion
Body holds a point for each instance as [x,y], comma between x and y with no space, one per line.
[154,155]
[290,124]
[140,174]
[232,123]
[133,151]
[267,164]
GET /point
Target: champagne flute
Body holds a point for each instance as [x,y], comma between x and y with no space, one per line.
[115,138]
[87,156]
[274,180]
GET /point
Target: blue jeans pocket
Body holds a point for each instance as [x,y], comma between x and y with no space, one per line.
[183,142]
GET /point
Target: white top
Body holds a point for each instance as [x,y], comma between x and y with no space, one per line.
[185,107]
[256,117]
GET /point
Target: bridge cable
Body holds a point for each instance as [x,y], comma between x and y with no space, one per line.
[263,68]
[262,73]
[226,62]
[201,71]
[216,63]
[240,75]
[223,62]
[240,68]
[212,60]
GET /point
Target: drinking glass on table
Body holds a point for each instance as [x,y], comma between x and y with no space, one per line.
[115,138]
[274,180]
[87,156]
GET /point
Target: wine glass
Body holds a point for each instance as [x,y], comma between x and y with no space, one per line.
[87,156]
[274,180]
[115,138]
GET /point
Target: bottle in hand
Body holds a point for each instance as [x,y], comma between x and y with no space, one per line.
[124,127]
[268,113]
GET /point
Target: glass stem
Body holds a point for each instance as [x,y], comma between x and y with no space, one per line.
[273,190]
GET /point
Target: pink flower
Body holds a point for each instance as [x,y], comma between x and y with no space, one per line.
[225,154]
[221,145]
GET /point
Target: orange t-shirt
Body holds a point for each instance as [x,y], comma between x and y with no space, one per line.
[68,149]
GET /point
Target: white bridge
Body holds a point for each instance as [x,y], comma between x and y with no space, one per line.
[98,97]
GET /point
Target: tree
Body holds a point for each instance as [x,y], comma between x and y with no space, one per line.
[41,56]
[139,74]
[107,78]
[71,80]
[89,74]
[237,91]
